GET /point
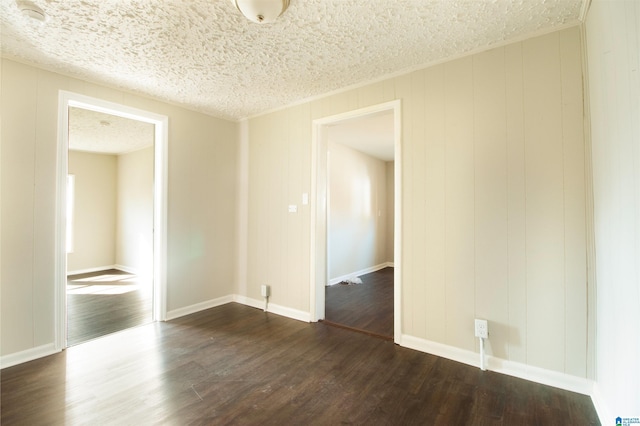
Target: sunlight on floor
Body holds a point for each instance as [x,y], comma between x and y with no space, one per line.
[101,289]
[107,284]
[106,277]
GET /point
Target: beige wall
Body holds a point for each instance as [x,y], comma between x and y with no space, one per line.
[279,158]
[493,200]
[356,237]
[390,183]
[134,236]
[95,208]
[202,179]
[613,50]
[113,223]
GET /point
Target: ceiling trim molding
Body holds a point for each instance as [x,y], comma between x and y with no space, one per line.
[99,83]
[584,10]
[416,68]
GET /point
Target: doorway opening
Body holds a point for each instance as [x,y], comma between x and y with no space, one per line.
[337,257]
[111,218]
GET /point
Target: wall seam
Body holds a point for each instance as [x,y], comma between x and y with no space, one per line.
[474,141]
[564,202]
[589,213]
[507,181]
[524,170]
[33,217]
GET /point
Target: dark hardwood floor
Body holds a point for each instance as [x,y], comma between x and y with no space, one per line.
[366,307]
[101,303]
[235,365]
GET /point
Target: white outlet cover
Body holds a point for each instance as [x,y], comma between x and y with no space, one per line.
[264,290]
[481,328]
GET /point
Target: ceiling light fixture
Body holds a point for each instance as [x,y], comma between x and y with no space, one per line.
[261,11]
[32,10]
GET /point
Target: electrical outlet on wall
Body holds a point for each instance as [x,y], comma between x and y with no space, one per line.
[482,328]
[265,290]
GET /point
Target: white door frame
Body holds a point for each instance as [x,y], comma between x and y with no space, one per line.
[319,188]
[161,123]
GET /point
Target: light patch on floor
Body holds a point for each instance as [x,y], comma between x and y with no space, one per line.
[105,277]
[105,289]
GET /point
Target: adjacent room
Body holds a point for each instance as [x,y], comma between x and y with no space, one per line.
[109,224]
[503,229]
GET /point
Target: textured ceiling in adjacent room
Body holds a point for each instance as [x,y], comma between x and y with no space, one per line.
[371,134]
[205,55]
[107,134]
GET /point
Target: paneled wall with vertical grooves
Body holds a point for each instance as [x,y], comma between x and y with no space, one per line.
[493,192]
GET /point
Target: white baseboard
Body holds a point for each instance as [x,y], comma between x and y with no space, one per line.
[49,349]
[604,413]
[90,270]
[192,309]
[254,303]
[273,308]
[338,280]
[27,355]
[127,269]
[439,349]
[542,375]
[510,368]
[244,300]
[123,268]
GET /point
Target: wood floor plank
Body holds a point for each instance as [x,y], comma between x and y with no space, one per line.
[366,307]
[234,364]
[104,302]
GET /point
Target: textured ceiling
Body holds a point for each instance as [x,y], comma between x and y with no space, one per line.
[204,55]
[107,134]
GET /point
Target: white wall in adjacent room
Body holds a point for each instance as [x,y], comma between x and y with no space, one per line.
[390,184]
[358,211]
[95,217]
[134,237]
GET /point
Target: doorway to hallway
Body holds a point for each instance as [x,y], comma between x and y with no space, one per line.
[370,201]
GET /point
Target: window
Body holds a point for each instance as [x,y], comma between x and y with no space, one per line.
[71,188]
